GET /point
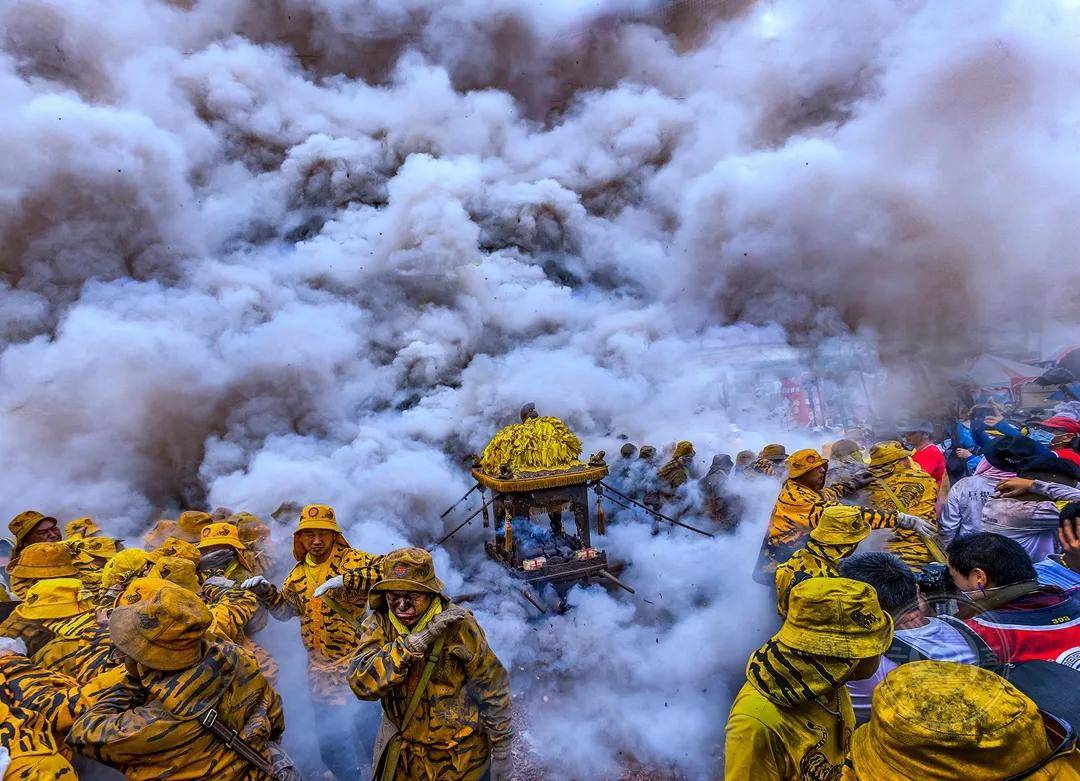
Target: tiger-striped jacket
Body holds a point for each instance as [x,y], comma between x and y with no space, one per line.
[37,707]
[329,625]
[465,709]
[148,727]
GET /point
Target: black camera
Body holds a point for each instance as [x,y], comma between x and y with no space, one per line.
[935,579]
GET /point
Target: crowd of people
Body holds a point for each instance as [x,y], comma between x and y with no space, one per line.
[928,598]
[930,628]
[147,660]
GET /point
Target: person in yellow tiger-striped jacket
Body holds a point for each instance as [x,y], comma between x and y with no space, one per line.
[40,561]
[837,536]
[80,646]
[36,709]
[803,497]
[443,690]
[232,607]
[90,555]
[329,629]
[149,726]
[900,485]
[226,562]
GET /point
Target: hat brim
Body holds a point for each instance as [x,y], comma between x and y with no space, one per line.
[841,645]
[794,472]
[45,612]
[377,595]
[34,572]
[124,632]
[837,538]
[211,541]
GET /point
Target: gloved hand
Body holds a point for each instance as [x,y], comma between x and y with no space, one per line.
[914,523]
[217,559]
[12,645]
[861,479]
[420,642]
[502,762]
[335,582]
[219,581]
[259,586]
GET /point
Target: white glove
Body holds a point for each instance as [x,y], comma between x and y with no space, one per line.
[335,582]
[220,582]
[914,523]
[258,585]
[12,645]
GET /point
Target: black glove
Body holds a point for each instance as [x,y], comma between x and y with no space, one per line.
[218,559]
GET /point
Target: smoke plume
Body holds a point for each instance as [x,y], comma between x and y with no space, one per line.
[321,250]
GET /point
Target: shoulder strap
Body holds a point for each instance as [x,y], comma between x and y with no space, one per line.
[392,752]
[425,677]
[902,652]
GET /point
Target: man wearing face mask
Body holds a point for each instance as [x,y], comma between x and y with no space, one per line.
[444,692]
[1018,618]
[1061,434]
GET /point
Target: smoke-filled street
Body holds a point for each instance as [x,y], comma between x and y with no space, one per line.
[447,391]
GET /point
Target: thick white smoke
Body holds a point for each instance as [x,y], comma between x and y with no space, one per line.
[299,250]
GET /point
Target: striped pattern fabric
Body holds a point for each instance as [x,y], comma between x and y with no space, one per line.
[788,677]
[467,704]
[148,727]
[329,637]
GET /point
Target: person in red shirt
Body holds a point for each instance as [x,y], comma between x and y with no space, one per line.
[1020,619]
[927,454]
[1065,431]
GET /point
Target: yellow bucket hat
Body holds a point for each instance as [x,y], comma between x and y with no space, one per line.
[81,527]
[835,617]
[54,598]
[885,453]
[249,527]
[941,721]
[160,532]
[316,517]
[23,523]
[98,547]
[124,566]
[174,546]
[802,461]
[164,632]
[406,569]
[44,560]
[141,589]
[190,524]
[683,449]
[773,453]
[221,534]
[841,524]
[178,571]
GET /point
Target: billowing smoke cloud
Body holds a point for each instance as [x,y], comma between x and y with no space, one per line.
[259,252]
